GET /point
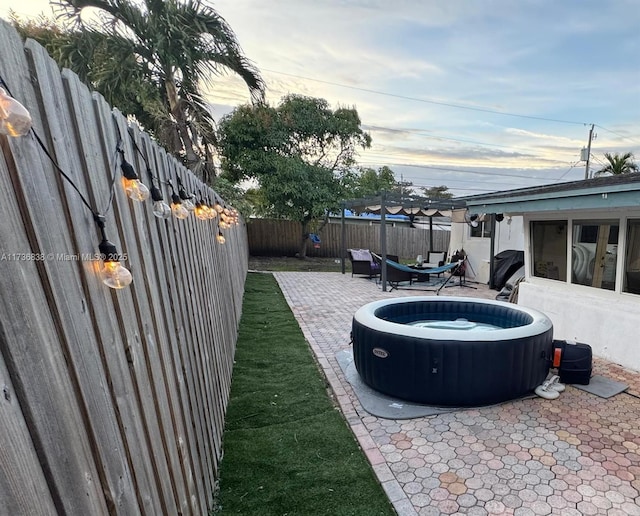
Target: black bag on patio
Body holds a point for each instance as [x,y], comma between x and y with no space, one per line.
[576,361]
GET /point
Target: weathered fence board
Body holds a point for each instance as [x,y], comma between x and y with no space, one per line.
[269,237]
[111,402]
[22,482]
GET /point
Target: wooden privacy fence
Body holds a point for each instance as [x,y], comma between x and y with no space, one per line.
[271,237]
[112,401]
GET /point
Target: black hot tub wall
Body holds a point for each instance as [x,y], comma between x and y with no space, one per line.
[451,372]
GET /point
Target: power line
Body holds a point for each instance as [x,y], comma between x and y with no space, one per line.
[428,101]
[474,188]
[618,134]
[570,169]
[422,132]
[475,172]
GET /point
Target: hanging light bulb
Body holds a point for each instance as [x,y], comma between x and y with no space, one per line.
[201,211]
[220,238]
[218,207]
[160,208]
[15,120]
[114,274]
[177,208]
[185,197]
[135,189]
[188,204]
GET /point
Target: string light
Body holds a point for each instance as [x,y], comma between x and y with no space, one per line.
[212,211]
[15,120]
[160,208]
[113,273]
[177,208]
[235,217]
[184,196]
[135,189]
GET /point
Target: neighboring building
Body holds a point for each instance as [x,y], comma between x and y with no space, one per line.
[582,258]
[369,219]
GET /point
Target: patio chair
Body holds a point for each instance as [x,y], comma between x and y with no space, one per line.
[362,263]
[434,260]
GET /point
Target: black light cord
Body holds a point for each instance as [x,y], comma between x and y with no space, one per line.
[144,157]
[97,215]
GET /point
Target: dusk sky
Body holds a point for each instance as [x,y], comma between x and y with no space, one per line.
[476,95]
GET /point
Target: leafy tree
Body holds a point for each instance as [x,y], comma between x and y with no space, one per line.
[151,59]
[299,152]
[437,192]
[618,164]
[370,182]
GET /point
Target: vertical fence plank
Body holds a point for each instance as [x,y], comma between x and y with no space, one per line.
[23,487]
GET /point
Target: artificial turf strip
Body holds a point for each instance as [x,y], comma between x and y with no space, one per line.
[287,449]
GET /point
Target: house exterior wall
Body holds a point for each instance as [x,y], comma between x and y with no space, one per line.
[509,235]
[607,320]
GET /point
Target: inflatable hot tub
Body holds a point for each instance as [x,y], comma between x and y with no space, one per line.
[456,352]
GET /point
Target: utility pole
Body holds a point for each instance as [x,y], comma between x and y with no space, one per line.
[586,168]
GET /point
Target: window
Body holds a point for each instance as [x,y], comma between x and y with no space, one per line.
[483,230]
[632,261]
[594,253]
[549,244]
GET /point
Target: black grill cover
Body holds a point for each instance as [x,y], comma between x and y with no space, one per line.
[504,265]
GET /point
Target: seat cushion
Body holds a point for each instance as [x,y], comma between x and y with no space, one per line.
[436,257]
[361,254]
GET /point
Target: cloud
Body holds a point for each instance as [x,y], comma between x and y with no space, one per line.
[543,58]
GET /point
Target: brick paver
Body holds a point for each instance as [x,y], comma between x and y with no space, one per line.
[578,454]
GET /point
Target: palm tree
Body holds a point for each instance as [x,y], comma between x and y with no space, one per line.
[618,164]
[177,47]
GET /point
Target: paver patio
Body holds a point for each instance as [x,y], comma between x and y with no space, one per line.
[577,455]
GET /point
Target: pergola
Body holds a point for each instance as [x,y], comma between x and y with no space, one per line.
[394,204]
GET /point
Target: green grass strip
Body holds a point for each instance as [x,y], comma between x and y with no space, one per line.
[287,448]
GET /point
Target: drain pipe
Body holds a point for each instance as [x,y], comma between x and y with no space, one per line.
[492,250]
[383,241]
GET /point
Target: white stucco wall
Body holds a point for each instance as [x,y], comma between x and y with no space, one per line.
[508,236]
[607,321]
